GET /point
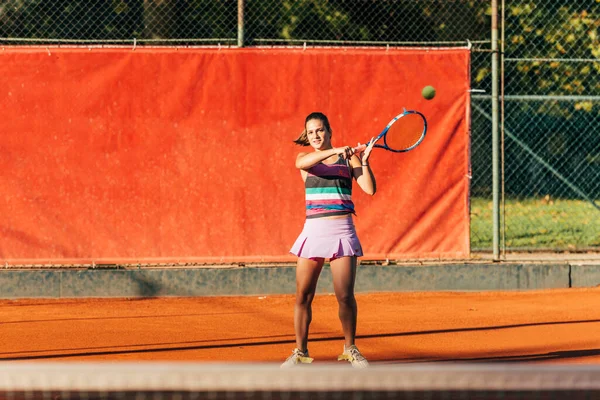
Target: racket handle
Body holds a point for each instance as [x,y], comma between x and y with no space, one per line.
[360,148]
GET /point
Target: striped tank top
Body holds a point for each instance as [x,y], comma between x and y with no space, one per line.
[329,190]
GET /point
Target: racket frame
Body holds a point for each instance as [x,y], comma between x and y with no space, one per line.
[385,130]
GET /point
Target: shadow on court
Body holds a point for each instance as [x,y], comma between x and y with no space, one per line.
[131,349]
[540,326]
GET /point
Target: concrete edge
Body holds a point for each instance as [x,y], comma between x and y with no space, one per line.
[189,282]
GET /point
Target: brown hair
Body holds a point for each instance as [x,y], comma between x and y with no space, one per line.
[303,138]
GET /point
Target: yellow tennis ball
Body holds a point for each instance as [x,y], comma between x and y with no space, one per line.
[428,92]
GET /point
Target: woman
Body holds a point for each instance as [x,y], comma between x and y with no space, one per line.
[328,232]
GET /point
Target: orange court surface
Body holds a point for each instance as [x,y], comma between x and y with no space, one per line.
[542,326]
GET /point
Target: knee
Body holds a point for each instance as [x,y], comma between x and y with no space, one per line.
[304,297]
[346,299]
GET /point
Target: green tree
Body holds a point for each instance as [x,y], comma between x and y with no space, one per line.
[560,36]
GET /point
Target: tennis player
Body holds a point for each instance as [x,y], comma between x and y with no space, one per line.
[328,232]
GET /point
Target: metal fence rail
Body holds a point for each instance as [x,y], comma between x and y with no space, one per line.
[549,84]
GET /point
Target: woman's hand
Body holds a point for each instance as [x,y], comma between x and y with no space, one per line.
[367,152]
[346,152]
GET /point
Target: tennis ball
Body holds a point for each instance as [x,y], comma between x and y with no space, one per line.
[428,92]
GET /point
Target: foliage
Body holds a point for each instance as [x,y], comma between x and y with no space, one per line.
[563,38]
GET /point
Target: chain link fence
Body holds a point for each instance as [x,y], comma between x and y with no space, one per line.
[549,71]
[190,22]
[552,125]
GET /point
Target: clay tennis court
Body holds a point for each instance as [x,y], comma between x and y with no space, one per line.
[549,326]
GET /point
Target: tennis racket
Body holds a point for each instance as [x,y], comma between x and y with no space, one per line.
[403,133]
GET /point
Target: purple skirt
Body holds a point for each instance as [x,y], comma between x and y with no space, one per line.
[327,238]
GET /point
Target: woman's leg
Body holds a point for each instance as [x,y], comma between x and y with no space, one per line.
[343,271]
[307,275]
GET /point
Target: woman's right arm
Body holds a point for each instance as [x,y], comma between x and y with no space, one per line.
[307,160]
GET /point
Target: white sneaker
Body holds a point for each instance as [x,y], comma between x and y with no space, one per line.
[297,357]
[353,355]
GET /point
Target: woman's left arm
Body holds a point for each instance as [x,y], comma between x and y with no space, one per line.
[362,171]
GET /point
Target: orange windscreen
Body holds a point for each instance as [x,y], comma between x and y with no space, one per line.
[406,132]
[187,155]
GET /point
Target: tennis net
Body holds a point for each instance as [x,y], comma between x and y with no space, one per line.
[164,380]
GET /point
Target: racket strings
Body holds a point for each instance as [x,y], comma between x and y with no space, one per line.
[405,133]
